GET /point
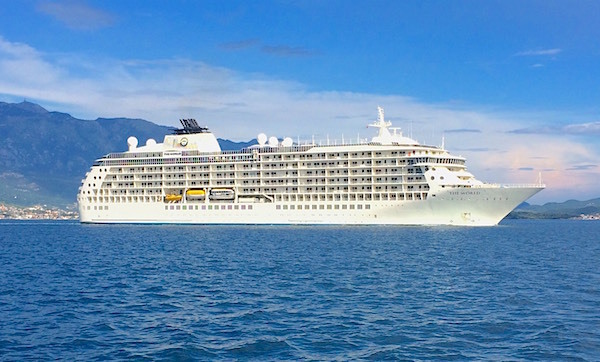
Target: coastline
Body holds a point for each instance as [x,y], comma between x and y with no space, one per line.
[36,212]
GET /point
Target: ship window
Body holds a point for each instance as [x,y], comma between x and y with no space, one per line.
[344,207]
[368,207]
[249,207]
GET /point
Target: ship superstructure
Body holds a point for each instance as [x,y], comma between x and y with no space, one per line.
[390,180]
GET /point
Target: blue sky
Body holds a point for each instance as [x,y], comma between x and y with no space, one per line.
[514,86]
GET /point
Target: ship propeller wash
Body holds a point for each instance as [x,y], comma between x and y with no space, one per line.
[390,180]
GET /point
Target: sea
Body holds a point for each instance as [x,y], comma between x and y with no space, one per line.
[525,290]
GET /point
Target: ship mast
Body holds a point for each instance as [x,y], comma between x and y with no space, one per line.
[384,137]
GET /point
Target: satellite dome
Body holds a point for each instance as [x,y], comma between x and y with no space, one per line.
[132,143]
[287,142]
[262,139]
[273,141]
[150,142]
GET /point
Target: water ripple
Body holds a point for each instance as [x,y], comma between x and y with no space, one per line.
[525,290]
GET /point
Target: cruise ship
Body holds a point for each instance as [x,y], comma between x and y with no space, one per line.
[391,179]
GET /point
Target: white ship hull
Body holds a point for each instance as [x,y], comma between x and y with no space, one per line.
[473,207]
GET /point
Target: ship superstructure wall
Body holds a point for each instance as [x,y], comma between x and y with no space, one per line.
[299,174]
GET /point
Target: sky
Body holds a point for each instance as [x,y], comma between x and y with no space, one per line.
[513,86]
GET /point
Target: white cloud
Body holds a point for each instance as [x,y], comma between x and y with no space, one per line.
[585,129]
[76,14]
[539,52]
[238,106]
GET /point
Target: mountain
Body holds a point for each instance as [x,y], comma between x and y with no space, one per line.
[44,155]
[555,210]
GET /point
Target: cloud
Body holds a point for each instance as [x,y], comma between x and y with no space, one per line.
[286,51]
[277,50]
[585,129]
[240,45]
[22,66]
[582,167]
[463,130]
[539,52]
[76,14]
[499,146]
[536,130]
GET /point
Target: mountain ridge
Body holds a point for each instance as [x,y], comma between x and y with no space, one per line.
[45,154]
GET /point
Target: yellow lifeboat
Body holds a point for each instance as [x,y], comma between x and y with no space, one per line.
[195,192]
[173,197]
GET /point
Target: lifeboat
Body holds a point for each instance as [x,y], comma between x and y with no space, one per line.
[222,194]
[173,198]
[195,193]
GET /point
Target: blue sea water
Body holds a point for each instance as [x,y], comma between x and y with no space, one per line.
[524,290]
